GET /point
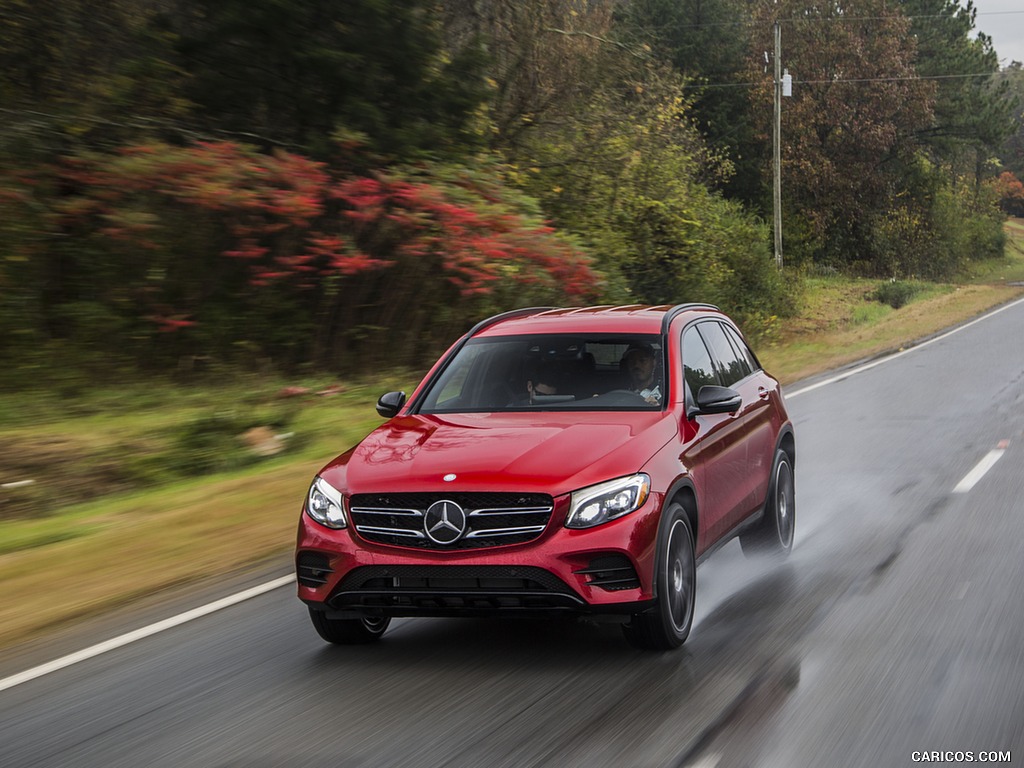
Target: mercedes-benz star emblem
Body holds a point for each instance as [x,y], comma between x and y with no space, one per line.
[444,522]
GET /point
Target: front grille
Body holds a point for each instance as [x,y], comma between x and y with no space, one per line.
[452,590]
[611,573]
[312,569]
[492,519]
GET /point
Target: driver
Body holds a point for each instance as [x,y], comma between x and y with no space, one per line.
[639,362]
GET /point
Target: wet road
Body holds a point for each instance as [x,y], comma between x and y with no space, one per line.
[896,627]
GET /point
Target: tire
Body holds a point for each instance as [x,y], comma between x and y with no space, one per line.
[368,629]
[667,625]
[774,534]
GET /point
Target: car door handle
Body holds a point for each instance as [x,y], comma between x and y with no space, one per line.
[763,393]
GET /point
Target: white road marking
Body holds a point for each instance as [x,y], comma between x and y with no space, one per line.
[971,478]
[875,363]
[139,634]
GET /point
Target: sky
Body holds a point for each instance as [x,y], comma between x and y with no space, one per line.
[1003,21]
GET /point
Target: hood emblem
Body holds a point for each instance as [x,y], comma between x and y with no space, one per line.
[444,522]
[449,477]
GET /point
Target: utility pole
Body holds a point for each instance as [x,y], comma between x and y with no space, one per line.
[777,148]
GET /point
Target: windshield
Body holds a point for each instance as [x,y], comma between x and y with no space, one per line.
[551,372]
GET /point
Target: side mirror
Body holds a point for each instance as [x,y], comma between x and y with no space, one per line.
[390,404]
[712,399]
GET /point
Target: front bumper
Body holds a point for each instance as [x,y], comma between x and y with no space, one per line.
[606,569]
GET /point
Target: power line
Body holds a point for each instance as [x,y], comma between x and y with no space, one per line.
[846,80]
[894,79]
[838,18]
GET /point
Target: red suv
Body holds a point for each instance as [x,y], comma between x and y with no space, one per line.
[555,461]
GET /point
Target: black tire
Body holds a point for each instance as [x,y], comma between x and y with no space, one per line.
[667,625]
[368,629]
[774,534]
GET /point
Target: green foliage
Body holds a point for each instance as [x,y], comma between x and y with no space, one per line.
[292,72]
[895,293]
[102,440]
[1011,153]
[867,314]
[630,186]
[968,226]
[704,41]
[942,225]
[75,73]
[224,440]
[544,60]
[969,110]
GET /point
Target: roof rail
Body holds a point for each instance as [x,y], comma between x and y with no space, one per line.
[679,309]
[504,316]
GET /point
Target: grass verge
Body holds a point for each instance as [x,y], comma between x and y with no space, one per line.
[77,560]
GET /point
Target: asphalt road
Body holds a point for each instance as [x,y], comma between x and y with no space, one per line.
[896,627]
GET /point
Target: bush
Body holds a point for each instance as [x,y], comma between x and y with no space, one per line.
[895,293]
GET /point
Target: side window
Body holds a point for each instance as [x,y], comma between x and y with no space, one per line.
[698,369]
[742,348]
[730,367]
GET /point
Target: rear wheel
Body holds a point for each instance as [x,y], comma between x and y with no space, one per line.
[368,629]
[667,625]
[774,535]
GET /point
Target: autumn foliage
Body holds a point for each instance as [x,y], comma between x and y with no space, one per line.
[313,261]
[1011,193]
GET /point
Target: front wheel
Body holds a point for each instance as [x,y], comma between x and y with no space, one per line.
[668,624]
[774,534]
[368,629]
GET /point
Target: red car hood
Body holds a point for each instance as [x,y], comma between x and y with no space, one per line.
[551,453]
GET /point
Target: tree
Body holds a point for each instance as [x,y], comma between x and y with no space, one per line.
[292,73]
[971,109]
[602,132]
[708,41]
[545,59]
[853,119]
[1011,153]
[79,74]
[627,176]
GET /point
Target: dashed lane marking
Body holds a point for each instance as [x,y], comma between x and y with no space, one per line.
[972,478]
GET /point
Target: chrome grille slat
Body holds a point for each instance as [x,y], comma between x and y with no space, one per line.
[505,531]
[390,531]
[510,511]
[386,511]
[492,518]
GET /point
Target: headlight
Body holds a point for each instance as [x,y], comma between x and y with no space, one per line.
[323,504]
[607,501]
